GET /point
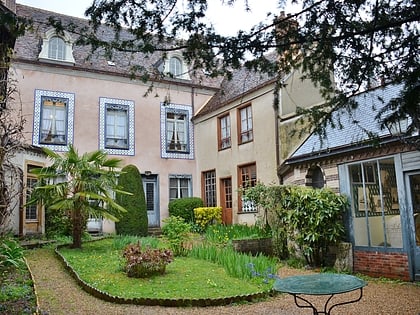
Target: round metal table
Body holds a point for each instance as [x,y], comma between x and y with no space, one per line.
[320,284]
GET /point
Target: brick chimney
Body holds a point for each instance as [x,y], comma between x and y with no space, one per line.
[10,4]
[286,31]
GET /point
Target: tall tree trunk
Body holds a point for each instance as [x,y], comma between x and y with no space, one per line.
[77,228]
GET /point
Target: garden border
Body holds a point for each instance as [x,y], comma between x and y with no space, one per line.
[159,302]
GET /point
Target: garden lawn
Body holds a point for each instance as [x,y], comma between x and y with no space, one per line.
[100,265]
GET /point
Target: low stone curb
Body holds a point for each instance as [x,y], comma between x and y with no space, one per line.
[38,310]
[159,302]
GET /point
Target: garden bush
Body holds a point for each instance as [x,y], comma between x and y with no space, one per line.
[145,262]
[11,253]
[57,224]
[205,216]
[311,218]
[184,207]
[134,221]
[176,231]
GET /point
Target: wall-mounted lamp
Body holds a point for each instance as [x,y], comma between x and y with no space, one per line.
[148,173]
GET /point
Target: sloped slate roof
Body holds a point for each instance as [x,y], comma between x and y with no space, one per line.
[355,124]
[243,81]
[28,47]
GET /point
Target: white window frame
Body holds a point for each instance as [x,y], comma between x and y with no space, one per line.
[38,112]
[179,178]
[166,152]
[104,104]
[225,135]
[47,39]
[178,71]
[246,124]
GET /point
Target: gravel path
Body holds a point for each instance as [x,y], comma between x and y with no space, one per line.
[59,294]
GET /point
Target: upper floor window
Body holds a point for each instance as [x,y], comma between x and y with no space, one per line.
[116,126]
[245,124]
[224,132]
[57,47]
[53,119]
[176,131]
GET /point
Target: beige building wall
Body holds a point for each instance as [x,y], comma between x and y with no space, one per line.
[296,93]
[88,87]
[261,151]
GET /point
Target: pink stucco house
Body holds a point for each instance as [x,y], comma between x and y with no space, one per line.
[94,103]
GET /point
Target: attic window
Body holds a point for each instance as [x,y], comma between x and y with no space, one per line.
[57,47]
[176,67]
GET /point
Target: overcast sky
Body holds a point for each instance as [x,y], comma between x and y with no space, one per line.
[226,20]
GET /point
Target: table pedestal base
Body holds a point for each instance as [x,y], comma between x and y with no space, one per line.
[327,308]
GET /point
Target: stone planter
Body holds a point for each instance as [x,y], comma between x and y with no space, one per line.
[254,246]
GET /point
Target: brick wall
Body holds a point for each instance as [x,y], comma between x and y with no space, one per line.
[377,264]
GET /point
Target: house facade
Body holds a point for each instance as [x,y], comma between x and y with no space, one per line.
[239,134]
[94,103]
[381,181]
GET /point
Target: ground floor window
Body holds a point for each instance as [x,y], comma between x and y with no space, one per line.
[31,211]
[179,186]
[209,185]
[374,203]
[247,176]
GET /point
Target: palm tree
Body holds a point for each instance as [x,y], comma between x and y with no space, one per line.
[82,185]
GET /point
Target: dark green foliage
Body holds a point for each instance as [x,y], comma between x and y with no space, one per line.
[134,221]
[17,294]
[311,218]
[90,180]
[57,223]
[11,253]
[360,40]
[184,207]
[143,262]
[176,231]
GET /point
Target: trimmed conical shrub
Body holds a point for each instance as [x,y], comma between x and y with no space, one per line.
[134,221]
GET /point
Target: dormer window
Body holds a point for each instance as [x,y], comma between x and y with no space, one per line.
[57,47]
[176,67]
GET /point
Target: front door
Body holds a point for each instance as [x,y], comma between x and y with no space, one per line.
[414,182]
[226,199]
[152,199]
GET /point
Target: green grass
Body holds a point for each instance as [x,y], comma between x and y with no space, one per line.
[16,292]
[222,234]
[99,264]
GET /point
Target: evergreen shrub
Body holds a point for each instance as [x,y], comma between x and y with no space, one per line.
[184,207]
[134,221]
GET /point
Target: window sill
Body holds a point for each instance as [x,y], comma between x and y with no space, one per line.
[56,61]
